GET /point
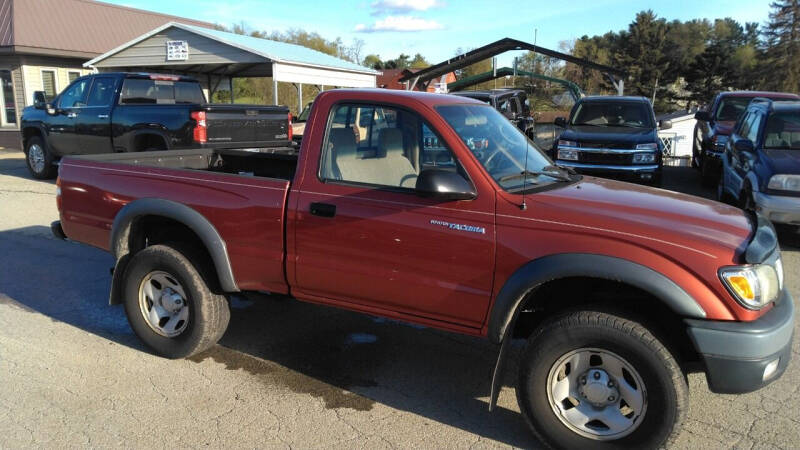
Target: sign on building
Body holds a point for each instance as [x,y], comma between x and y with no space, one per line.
[177,50]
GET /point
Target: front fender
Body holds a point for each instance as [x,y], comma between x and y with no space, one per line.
[539,271]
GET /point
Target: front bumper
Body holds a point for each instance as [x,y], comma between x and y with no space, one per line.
[745,356]
[634,172]
[778,208]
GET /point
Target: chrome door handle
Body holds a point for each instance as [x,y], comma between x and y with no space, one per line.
[102,116]
[72,115]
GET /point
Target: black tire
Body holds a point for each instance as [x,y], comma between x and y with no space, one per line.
[666,390]
[209,313]
[707,177]
[746,202]
[41,169]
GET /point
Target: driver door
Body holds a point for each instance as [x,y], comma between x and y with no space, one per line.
[62,137]
[365,240]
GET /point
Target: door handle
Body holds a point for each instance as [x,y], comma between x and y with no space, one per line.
[72,115]
[323,209]
[102,116]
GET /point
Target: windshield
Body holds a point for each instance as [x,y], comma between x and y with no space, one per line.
[731,108]
[613,114]
[783,130]
[500,147]
[304,114]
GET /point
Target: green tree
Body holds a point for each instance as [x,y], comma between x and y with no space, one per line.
[373,62]
[418,62]
[782,42]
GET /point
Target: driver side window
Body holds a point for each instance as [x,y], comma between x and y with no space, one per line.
[380,146]
[75,95]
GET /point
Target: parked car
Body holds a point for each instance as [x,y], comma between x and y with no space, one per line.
[714,126]
[512,103]
[617,288]
[612,136]
[761,161]
[131,112]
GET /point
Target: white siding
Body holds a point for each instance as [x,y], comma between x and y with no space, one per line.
[312,75]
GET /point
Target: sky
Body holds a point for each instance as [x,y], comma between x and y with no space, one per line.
[437,28]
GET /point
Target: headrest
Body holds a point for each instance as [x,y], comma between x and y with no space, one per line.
[343,141]
[390,142]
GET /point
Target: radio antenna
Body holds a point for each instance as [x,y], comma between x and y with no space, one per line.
[524,206]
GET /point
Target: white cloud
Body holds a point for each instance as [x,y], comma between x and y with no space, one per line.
[400,23]
[404,6]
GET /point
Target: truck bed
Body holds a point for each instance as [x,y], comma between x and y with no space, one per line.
[241,192]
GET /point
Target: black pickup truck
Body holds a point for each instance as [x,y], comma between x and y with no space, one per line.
[612,136]
[131,112]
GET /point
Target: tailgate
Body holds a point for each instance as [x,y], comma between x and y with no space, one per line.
[231,126]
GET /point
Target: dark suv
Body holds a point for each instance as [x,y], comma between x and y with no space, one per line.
[714,126]
[761,161]
[512,103]
[616,136]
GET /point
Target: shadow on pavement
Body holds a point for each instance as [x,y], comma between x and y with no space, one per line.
[12,163]
[437,375]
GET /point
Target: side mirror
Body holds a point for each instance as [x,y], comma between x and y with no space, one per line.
[39,100]
[744,145]
[702,115]
[443,184]
[665,124]
[560,122]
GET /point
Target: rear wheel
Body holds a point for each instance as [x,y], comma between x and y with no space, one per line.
[595,380]
[168,302]
[39,159]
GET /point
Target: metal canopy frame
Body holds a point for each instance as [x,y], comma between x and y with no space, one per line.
[425,76]
[464,83]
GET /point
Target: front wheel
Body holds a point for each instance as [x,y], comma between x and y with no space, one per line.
[168,302]
[595,380]
[39,159]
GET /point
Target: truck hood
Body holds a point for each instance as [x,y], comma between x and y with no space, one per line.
[609,134]
[626,210]
[783,160]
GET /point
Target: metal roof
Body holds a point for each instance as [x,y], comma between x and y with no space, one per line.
[496,48]
[78,28]
[276,51]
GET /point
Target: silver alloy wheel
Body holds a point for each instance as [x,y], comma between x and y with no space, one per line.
[597,394]
[162,301]
[36,158]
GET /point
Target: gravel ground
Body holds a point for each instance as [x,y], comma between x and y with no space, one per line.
[287,374]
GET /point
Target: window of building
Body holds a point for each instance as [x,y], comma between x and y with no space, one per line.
[7,100]
[49,84]
[73,75]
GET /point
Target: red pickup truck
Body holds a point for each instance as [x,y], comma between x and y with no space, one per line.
[436,210]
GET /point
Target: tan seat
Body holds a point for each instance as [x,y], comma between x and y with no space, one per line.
[396,165]
[389,168]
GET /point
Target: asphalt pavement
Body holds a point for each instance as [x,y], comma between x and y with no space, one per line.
[285,375]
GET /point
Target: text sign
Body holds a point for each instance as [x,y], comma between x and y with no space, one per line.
[177,50]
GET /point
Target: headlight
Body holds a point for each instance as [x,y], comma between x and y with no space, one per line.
[753,286]
[784,182]
[562,143]
[568,155]
[648,146]
[643,158]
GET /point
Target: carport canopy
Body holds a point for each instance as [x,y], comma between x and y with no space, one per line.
[192,50]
